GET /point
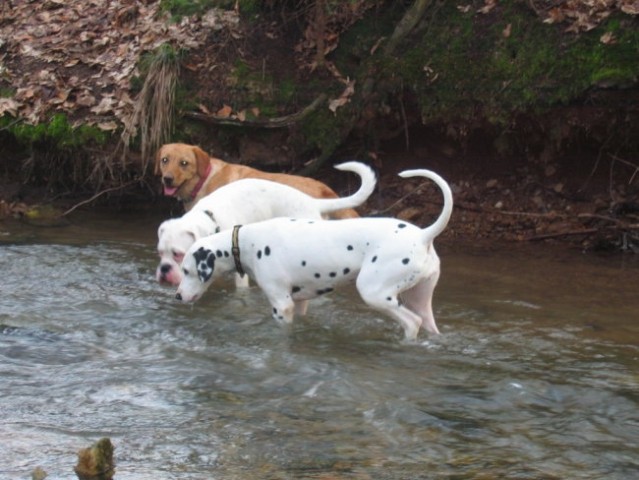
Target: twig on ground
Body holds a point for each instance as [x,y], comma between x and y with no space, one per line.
[566,233]
[397,202]
[587,231]
[615,158]
[84,202]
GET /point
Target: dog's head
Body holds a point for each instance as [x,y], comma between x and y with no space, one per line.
[175,237]
[181,167]
[198,271]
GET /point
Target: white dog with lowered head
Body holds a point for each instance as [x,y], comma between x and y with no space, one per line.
[247,201]
[393,263]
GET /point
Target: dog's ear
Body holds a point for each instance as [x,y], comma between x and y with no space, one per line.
[202,161]
[158,157]
[204,263]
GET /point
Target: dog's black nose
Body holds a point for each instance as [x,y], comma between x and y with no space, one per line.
[168,181]
[178,296]
[165,268]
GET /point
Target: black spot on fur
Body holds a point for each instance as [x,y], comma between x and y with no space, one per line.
[317,275]
[405,261]
[201,254]
[226,254]
[389,299]
[347,271]
[219,253]
[295,289]
[374,259]
[274,311]
[401,225]
[259,254]
[332,274]
[267,250]
[349,248]
[204,262]
[303,263]
[324,290]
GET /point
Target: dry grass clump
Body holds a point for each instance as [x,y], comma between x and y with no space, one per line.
[151,123]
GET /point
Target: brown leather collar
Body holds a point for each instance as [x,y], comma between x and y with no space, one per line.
[235,249]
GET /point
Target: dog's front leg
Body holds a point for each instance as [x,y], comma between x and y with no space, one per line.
[241,281]
[283,309]
[301,306]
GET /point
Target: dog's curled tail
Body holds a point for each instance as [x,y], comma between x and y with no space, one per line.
[369,180]
[432,231]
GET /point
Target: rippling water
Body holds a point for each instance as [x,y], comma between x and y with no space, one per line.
[534,376]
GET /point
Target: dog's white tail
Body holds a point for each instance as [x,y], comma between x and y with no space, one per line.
[429,233]
[369,180]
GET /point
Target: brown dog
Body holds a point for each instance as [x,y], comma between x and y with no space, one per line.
[189,173]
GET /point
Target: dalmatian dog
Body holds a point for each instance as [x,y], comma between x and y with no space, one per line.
[392,263]
[247,201]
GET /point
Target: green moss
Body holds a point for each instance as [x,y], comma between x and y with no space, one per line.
[7,92]
[467,65]
[533,68]
[56,133]
[613,77]
[262,90]
[323,131]
[181,8]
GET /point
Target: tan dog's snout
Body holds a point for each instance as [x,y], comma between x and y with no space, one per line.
[167,180]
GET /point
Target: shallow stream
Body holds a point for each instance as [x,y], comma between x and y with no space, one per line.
[535,375]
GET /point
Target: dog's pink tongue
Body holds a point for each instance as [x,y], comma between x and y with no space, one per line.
[170,191]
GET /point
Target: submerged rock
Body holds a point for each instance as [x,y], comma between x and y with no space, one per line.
[96,462]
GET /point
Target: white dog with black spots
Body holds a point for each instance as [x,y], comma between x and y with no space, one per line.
[393,263]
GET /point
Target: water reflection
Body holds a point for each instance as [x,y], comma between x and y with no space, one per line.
[534,376]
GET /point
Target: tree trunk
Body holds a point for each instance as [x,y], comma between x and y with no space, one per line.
[405,26]
[408,22]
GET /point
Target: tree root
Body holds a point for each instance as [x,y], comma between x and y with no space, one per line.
[278,122]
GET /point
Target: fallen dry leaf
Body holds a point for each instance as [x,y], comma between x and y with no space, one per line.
[8,105]
[202,108]
[108,126]
[344,98]
[488,6]
[631,7]
[94,46]
[608,38]
[224,112]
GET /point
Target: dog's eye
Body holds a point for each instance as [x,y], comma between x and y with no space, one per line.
[177,256]
[164,160]
[184,163]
